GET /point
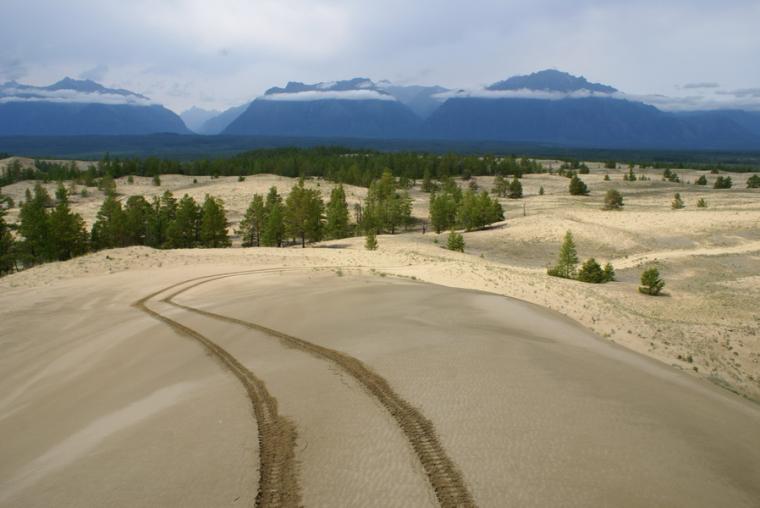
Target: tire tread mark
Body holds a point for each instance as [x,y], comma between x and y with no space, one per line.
[278,476]
[443,475]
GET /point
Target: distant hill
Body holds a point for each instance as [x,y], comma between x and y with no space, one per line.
[195,117]
[421,100]
[81,107]
[218,123]
[552,107]
[354,108]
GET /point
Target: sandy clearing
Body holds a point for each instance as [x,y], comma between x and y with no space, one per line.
[535,414]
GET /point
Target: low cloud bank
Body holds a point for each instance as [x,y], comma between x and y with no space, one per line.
[316,95]
[20,93]
[748,99]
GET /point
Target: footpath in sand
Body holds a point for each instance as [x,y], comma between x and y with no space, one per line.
[109,405]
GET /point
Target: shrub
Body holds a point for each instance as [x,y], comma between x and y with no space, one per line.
[577,187]
[591,272]
[609,273]
[702,180]
[515,189]
[130,179]
[677,203]
[651,284]
[584,170]
[670,176]
[613,200]
[455,241]
[541,191]
[371,241]
[723,182]
[241,178]
[157,180]
[567,261]
[701,203]
[753,182]
[606,178]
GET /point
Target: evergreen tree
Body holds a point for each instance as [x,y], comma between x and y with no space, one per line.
[651,284]
[677,203]
[568,259]
[455,241]
[386,209]
[723,182]
[753,182]
[701,203]
[443,211]
[163,213]
[184,231]
[137,216]
[370,243]
[214,224]
[515,189]
[7,245]
[702,180]
[476,211]
[274,231]
[500,186]
[303,214]
[613,200]
[592,272]
[541,191]
[252,225]
[337,225]
[109,230]
[34,227]
[577,187]
[609,273]
[427,182]
[68,235]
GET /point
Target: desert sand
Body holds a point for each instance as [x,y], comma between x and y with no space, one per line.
[596,395]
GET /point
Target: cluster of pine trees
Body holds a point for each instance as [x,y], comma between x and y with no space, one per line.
[590,271]
[451,207]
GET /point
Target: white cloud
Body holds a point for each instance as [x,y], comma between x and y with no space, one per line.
[316,95]
[29,94]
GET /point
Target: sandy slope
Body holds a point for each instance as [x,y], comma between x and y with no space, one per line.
[533,409]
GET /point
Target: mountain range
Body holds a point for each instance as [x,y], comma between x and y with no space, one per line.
[81,107]
[547,107]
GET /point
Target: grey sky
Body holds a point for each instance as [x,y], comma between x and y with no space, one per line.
[220,53]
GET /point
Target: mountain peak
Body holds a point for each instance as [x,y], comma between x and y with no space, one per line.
[327,86]
[550,80]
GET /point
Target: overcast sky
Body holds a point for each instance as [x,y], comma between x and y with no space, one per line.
[220,53]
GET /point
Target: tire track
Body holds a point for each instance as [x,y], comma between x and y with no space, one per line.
[443,475]
[278,478]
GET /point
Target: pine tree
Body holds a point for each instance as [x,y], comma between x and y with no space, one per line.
[568,259]
[34,227]
[68,235]
[515,189]
[500,186]
[577,187]
[702,180]
[163,213]
[455,241]
[609,273]
[184,231]
[541,191]
[7,245]
[337,225]
[613,200]
[303,214]
[476,211]
[274,230]
[651,284]
[701,203]
[443,211]
[592,272]
[370,243]
[214,224]
[252,225]
[109,229]
[137,214]
[753,182]
[677,203]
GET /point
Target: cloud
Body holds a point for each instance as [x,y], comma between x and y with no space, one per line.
[34,94]
[522,94]
[697,86]
[315,95]
[742,92]
[96,73]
